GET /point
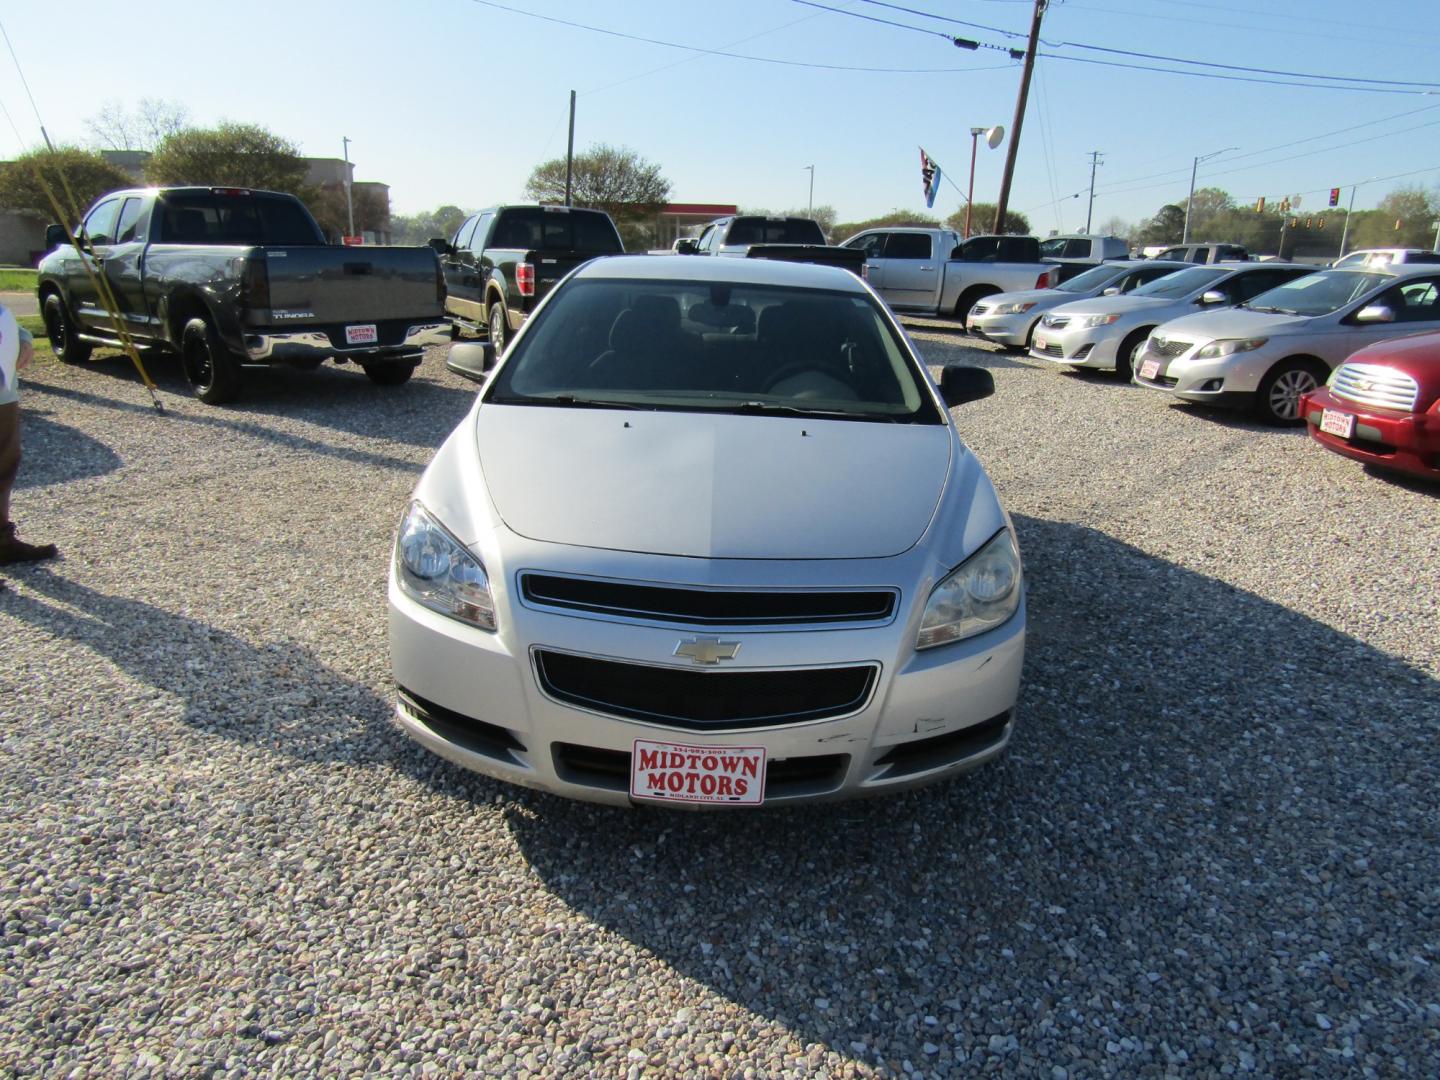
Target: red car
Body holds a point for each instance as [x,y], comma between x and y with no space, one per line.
[1382,406]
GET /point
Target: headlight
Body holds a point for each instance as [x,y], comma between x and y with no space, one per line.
[1087,321]
[1229,347]
[434,569]
[978,596]
[1018,308]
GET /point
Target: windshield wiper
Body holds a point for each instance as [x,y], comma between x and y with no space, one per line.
[566,401]
[770,408]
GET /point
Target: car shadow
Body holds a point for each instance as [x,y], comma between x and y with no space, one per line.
[1188,755]
[57,453]
[278,695]
[1418,484]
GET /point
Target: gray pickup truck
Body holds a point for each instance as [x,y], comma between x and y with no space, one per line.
[784,239]
[931,271]
[229,277]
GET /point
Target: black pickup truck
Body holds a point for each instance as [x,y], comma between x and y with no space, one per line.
[229,277]
[790,239]
[502,261]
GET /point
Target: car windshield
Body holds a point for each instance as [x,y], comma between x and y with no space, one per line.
[708,346]
[1182,282]
[236,219]
[1318,294]
[1090,280]
[556,229]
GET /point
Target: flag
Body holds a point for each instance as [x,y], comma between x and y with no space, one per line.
[929,177]
[1334,196]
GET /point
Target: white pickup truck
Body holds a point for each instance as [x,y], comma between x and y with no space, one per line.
[932,271]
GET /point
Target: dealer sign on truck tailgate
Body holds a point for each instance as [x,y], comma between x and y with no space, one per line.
[675,772]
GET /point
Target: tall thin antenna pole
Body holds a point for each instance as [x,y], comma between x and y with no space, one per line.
[349,203]
[1094,161]
[1004,202]
[570,150]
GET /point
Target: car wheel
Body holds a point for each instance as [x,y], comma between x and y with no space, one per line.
[1278,399]
[1129,352]
[499,327]
[60,330]
[210,368]
[391,372]
[969,299]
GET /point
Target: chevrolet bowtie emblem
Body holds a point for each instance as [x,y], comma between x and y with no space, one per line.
[705,650]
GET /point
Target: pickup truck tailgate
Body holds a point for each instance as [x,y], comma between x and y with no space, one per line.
[329,286]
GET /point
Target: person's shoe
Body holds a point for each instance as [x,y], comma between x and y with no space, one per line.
[13,549]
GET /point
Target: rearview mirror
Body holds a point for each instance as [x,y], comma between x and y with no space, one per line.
[959,384]
[685,246]
[471,359]
[440,245]
[1373,313]
[55,237]
[1113,290]
[1212,297]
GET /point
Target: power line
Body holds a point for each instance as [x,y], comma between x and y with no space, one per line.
[1233,78]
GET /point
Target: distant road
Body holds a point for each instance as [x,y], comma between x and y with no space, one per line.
[20,303]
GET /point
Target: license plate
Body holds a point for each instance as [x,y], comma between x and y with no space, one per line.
[1038,342]
[1149,369]
[361,335]
[1337,423]
[681,773]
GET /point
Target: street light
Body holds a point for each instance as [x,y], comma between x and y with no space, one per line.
[349,205]
[1190,201]
[993,138]
[810,207]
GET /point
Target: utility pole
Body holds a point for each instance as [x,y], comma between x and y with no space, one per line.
[1004,201]
[810,209]
[570,149]
[349,203]
[1345,232]
[1094,161]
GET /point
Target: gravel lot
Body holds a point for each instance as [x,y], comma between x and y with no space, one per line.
[1211,850]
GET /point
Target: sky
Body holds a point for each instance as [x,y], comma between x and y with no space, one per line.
[456,101]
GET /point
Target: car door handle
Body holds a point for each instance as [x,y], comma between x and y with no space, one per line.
[927,269]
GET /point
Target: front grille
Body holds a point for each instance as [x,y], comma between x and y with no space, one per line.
[703,700]
[706,607]
[1166,348]
[1372,384]
[1055,322]
[784,778]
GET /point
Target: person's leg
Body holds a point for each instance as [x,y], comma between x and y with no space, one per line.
[13,549]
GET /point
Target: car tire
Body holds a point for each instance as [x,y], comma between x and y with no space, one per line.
[1277,401]
[390,372]
[211,369]
[1129,350]
[60,330]
[499,326]
[968,300]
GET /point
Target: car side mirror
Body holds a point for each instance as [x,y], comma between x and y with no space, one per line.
[441,246]
[471,360]
[1113,290]
[685,246]
[960,383]
[1213,297]
[1373,313]
[55,237]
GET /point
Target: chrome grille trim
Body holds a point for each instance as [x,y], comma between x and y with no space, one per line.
[1167,348]
[1055,322]
[1375,384]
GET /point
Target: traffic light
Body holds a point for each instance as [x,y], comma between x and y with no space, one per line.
[1334,196]
[1260,205]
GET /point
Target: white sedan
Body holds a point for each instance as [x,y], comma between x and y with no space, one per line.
[709,537]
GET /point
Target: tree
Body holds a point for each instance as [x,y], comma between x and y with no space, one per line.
[239,155]
[1166,227]
[327,203]
[895,219]
[1206,207]
[610,178]
[85,173]
[420,228]
[1115,226]
[982,216]
[154,120]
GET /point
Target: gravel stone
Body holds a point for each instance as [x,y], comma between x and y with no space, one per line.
[1210,849]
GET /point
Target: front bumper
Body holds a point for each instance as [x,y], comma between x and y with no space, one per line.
[1089,347]
[1406,442]
[1225,381]
[476,698]
[320,344]
[1002,329]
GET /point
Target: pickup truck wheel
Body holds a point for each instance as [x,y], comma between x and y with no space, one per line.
[60,330]
[210,368]
[499,327]
[390,372]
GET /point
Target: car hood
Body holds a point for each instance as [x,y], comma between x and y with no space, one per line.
[712,485]
[1023,296]
[1220,323]
[1111,305]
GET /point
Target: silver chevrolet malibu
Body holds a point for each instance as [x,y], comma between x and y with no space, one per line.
[708,537]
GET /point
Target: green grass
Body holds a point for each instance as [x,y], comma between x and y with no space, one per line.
[13,279]
[36,325]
